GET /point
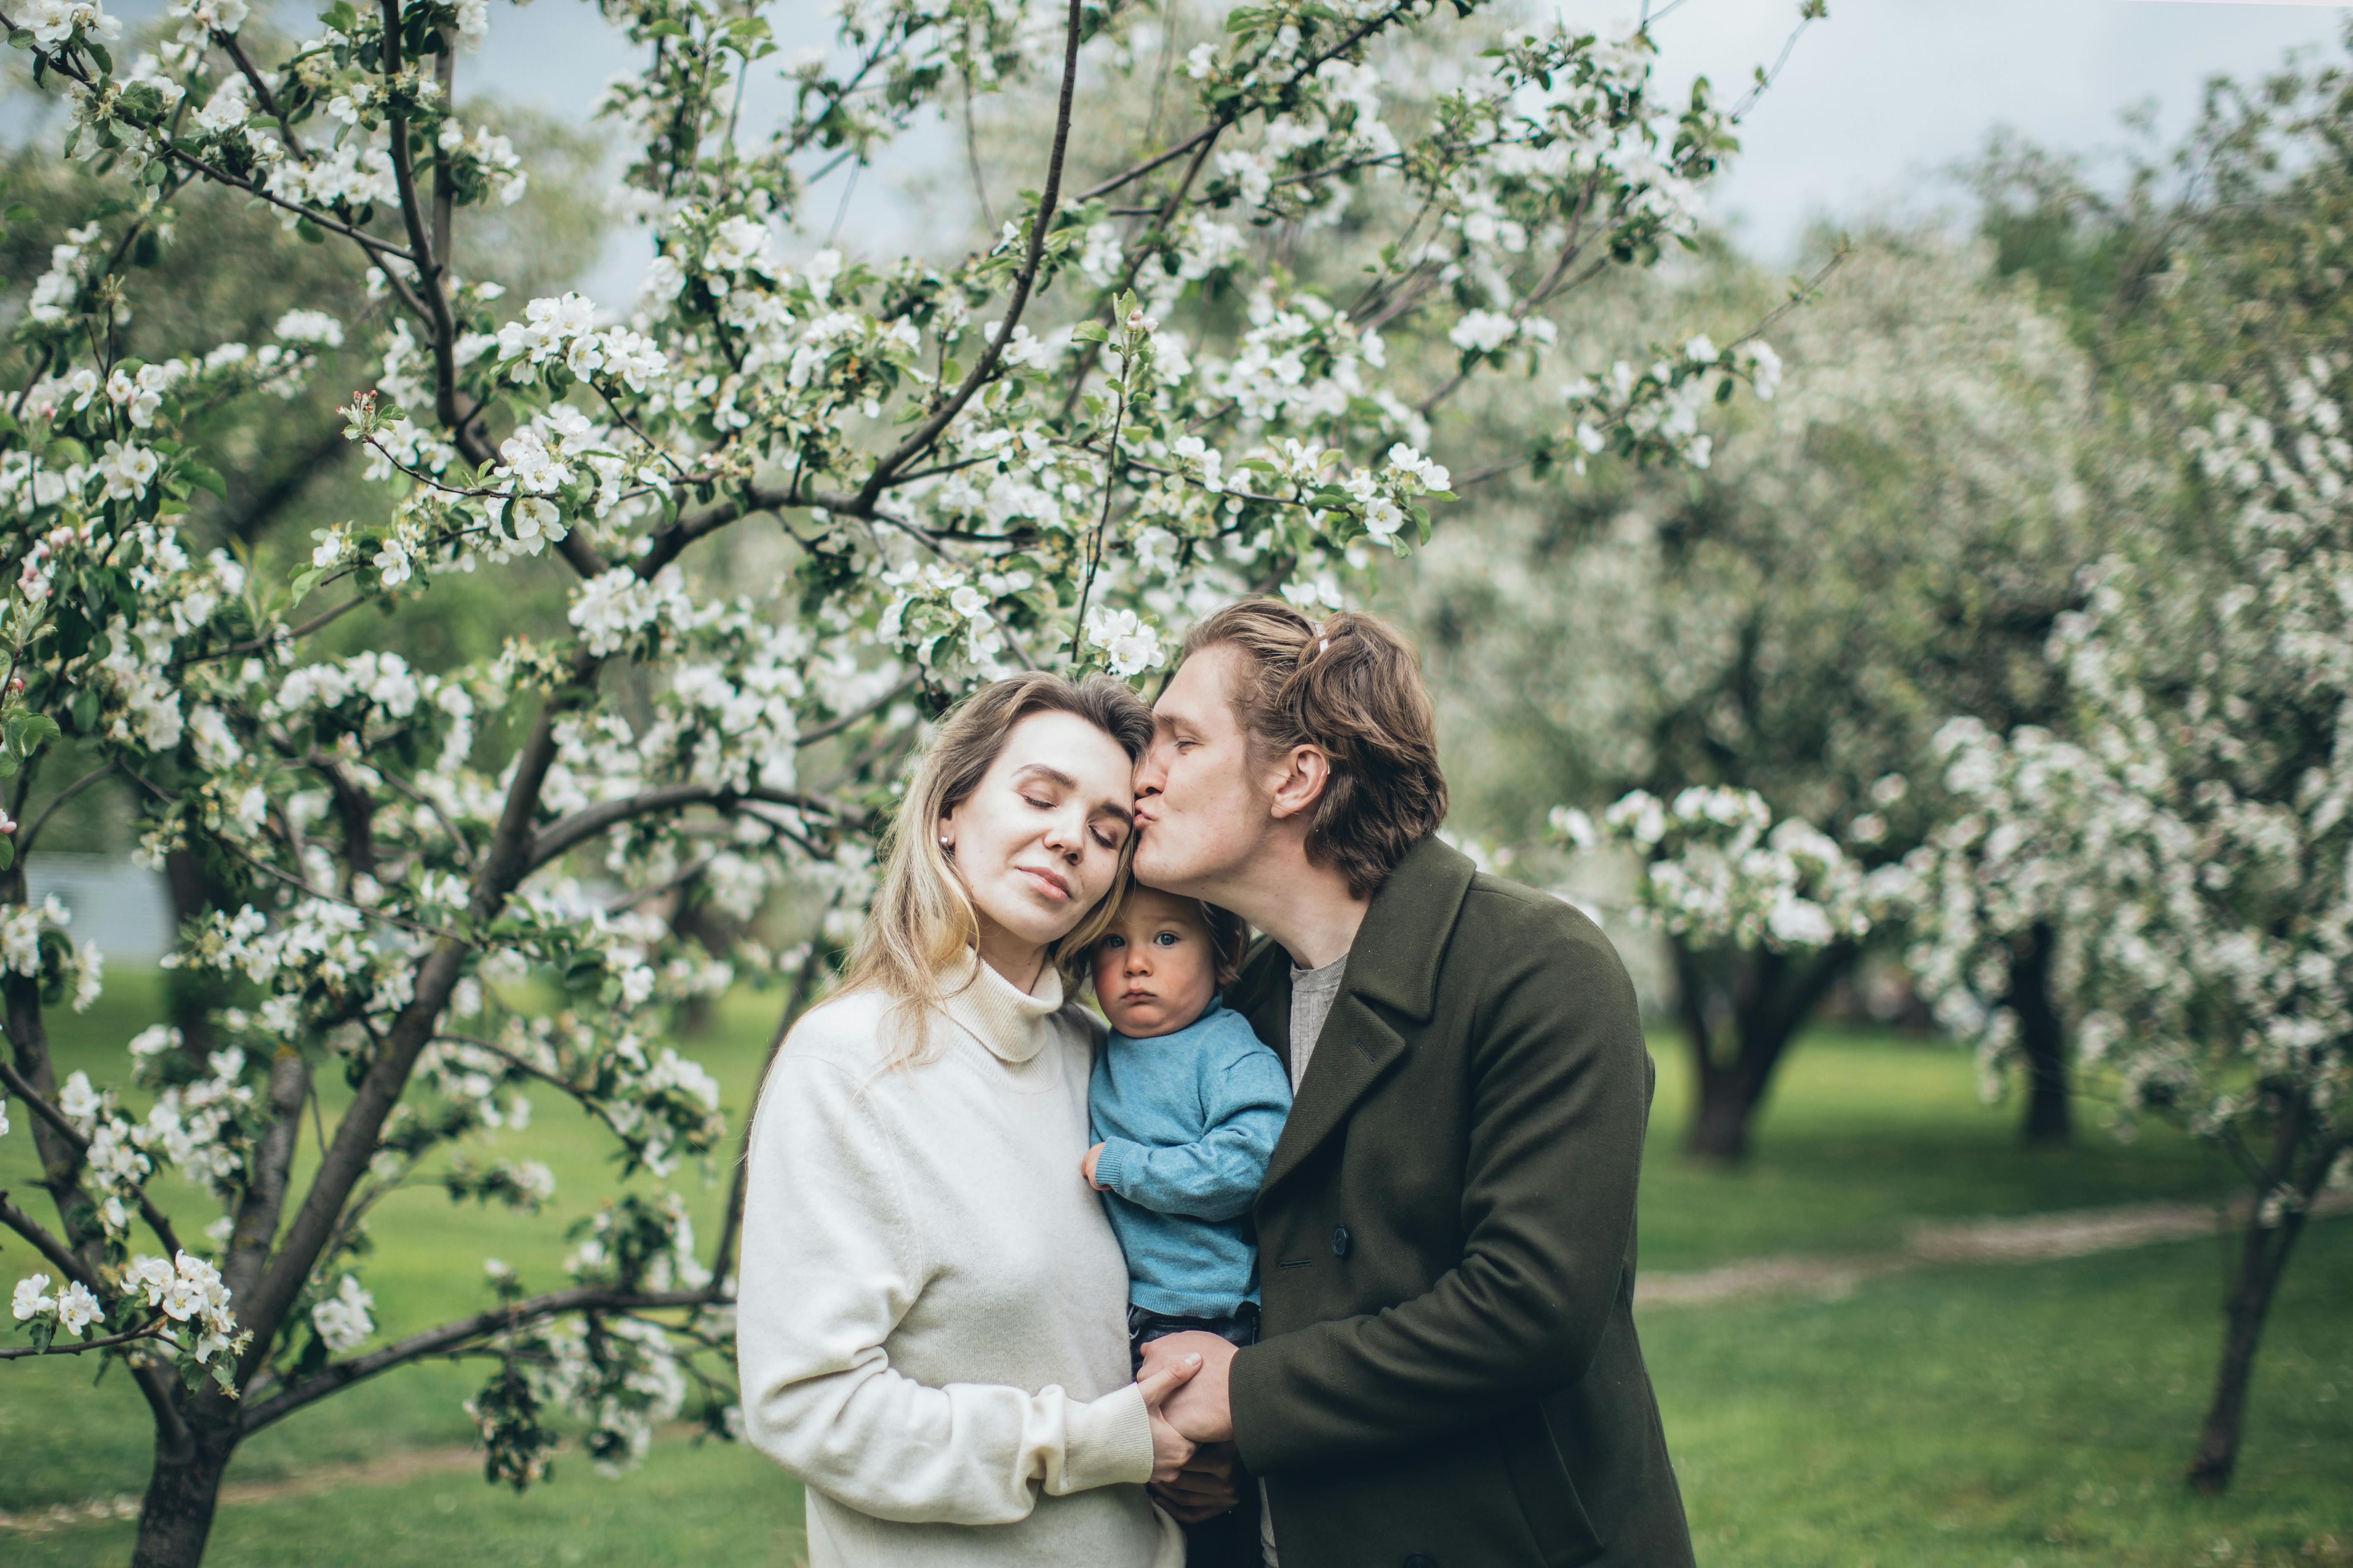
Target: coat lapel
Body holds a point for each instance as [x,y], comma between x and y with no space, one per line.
[1393,967]
[1355,1049]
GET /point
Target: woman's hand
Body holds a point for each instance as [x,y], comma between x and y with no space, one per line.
[1087,1167]
[1171,1449]
[1203,1489]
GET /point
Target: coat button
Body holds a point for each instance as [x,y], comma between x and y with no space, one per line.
[1340,1249]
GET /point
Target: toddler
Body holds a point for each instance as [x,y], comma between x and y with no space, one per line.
[1187,1106]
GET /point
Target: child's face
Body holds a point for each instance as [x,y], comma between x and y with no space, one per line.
[1155,972]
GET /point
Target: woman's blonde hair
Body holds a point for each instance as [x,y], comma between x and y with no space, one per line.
[922,920]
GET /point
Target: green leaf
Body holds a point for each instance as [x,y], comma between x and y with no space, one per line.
[98,52]
[1090,332]
[9,763]
[204,478]
[8,853]
[310,231]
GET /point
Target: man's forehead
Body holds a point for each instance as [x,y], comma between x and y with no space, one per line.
[1197,694]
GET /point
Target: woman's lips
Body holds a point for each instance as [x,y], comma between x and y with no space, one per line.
[1055,887]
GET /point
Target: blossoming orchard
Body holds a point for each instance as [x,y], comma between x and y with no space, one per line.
[1154,385]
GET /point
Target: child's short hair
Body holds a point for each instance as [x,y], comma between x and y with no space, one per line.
[1229,933]
[1229,938]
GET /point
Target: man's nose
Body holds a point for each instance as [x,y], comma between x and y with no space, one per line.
[1153,772]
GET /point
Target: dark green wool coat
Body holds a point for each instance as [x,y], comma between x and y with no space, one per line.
[1448,1374]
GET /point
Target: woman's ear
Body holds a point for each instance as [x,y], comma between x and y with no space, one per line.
[947,834]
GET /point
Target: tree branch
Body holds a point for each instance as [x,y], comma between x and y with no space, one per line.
[147,1332]
[47,1245]
[26,840]
[450,1337]
[589,821]
[41,1106]
[985,365]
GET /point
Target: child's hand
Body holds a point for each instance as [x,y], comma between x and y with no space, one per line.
[1087,1168]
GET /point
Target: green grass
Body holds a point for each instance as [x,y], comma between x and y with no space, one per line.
[1960,1416]
[2041,1414]
[1865,1133]
[713,1506]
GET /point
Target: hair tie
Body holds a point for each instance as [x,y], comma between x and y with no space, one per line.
[1323,645]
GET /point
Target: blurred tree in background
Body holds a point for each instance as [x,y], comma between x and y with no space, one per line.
[1886,544]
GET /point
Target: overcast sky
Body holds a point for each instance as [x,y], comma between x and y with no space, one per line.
[1874,105]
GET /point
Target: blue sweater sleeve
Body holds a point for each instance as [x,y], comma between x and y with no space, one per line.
[1247,1098]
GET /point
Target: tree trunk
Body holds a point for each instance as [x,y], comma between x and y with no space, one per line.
[1741,1011]
[191,993]
[1719,1127]
[2263,1259]
[182,1497]
[2043,1039]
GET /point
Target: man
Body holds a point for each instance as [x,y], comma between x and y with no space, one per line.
[1449,1374]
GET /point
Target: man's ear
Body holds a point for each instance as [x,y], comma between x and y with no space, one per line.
[1306,773]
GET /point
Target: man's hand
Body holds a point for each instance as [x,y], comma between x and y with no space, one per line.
[1200,1408]
[1203,1489]
[1171,1449]
[1087,1168]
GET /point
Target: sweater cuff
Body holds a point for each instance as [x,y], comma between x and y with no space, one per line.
[1111,1165]
[1108,1442]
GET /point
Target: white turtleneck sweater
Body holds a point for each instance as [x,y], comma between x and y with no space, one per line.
[931,1330]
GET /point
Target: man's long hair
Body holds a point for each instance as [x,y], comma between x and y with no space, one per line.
[1351,686]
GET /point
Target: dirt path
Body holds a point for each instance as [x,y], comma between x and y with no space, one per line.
[2032,1238]
[402,1466]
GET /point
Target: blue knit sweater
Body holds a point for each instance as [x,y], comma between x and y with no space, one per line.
[1188,1122]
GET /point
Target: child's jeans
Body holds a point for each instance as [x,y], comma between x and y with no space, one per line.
[1217,1542]
[1144,1326]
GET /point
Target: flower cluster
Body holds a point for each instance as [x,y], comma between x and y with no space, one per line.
[1718,870]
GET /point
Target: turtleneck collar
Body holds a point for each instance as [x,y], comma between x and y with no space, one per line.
[1005,1019]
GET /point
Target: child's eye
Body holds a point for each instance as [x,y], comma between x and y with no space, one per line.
[1164,938]
[1110,942]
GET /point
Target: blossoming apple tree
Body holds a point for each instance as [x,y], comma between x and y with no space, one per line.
[2192,843]
[1122,405]
[1886,543]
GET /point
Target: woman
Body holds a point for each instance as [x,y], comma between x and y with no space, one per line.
[931,1321]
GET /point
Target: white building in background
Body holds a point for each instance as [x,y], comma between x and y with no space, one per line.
[122,909]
